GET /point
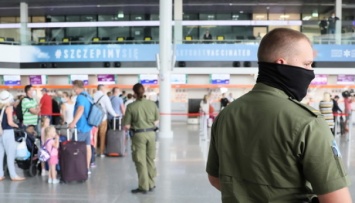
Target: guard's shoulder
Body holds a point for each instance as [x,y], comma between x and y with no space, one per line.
[314,112]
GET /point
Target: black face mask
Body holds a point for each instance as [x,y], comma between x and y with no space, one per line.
[293,80]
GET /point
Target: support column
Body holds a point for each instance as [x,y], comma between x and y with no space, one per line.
[178,17]
[338,24]
[165,65]
[24,32]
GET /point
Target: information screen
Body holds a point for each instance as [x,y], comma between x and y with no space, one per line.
[148,79]
[220,79]
[178,79]
[12,80]
[38,79]
[320,80]
[106,79]
[84,78]
[346,79]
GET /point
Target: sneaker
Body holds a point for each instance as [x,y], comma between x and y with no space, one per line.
[55,181]
[44,173]
[89,172]
[93,165]
[102,155]
[50,180]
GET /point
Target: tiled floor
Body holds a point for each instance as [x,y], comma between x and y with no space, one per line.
[181,176]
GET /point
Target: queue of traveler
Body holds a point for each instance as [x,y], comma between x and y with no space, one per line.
[330,109]
[40,119]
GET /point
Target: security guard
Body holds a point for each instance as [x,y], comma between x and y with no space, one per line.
[142,117]
[267,147]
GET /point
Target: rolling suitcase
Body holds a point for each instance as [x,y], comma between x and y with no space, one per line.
[73,160]
[116,140]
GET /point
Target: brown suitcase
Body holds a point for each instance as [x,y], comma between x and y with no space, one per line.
[73,160]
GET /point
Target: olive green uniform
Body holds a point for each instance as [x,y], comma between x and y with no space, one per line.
[142,114]
[266,147]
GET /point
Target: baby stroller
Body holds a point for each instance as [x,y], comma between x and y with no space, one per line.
[32,164]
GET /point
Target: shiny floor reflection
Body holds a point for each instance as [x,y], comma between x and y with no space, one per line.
[181,176]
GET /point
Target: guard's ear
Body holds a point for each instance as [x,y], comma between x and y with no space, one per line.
[281,61]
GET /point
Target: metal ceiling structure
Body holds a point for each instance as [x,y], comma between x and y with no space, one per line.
[81,7]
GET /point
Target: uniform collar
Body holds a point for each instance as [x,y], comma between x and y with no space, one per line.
[277,92]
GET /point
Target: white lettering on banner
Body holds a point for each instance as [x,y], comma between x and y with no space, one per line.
[85,53]
[72,51]
[124,53]
[248,52]
[78,54]
[347,53]
[109,53]
[353,53]
[336,53]
[230,52]
[66,54]
[217,52]
[92,54]
[58,54]
[98,53]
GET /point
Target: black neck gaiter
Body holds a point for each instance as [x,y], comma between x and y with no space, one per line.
[293,80]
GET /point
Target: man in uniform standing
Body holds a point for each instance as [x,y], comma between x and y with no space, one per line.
[269,147]
[142,117]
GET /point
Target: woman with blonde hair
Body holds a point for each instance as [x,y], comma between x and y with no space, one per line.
[7,138]
[325,107]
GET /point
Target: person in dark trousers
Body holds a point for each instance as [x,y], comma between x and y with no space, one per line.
[224,101]
[323,25]
[336,108]
[331,23]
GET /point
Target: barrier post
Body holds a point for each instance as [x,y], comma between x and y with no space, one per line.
[335,125]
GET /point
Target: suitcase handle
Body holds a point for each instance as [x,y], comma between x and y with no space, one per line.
[119,122]
[75,134]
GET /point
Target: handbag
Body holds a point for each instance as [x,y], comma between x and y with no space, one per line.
[43,153]
[1,116]
[22,152]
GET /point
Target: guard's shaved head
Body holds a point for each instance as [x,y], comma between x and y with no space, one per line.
[280,43]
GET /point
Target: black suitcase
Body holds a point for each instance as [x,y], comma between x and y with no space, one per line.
[116,139]
[73,160]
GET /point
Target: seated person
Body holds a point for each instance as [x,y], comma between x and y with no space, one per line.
[31,136]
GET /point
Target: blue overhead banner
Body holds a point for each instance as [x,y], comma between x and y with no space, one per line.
[148,52]
[90,53]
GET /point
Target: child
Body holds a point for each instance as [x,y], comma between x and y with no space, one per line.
[45,122]
[52,145]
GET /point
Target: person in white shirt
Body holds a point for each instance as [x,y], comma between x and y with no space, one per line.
[67,108]
[101,97]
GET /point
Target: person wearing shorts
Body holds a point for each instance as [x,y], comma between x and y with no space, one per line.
[81,113]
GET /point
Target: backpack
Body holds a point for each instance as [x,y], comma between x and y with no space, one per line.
[43,153]
[96,113]
[18,111]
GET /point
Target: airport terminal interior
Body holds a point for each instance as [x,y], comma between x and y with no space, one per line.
[181,51]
